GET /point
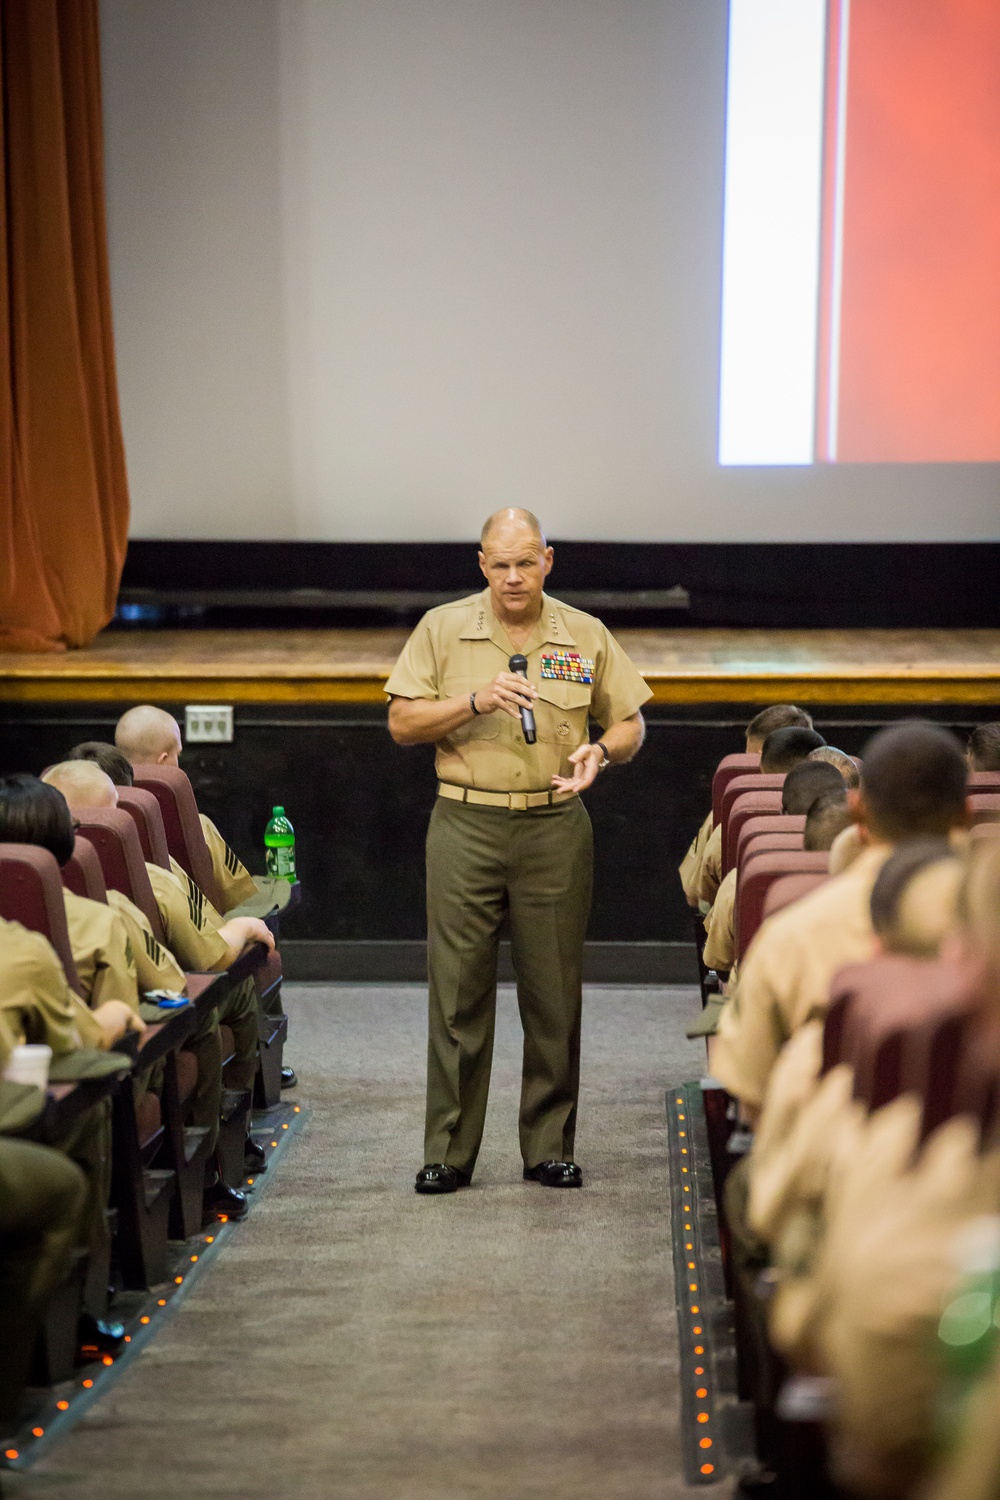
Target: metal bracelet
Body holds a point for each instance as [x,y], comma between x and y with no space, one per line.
[472,705]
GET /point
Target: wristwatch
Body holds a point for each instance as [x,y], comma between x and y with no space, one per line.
[606,761]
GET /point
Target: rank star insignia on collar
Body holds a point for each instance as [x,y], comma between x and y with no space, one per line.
[567,666]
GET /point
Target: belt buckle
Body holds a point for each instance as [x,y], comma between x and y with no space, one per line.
[518,801]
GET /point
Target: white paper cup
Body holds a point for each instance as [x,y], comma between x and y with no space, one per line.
[29,1064]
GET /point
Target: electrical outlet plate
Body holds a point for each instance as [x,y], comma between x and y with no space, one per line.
[208,723]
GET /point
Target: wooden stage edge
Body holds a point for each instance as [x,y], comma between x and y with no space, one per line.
[681,666]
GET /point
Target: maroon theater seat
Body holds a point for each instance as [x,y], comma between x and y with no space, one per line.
[977,1080]
[759,874]
[984,807]
[756,782]
[789,888]
[144,810]
[750,804]
[730,766]
[115,840]
[780,825]
[82,873]
[31,893]
[185,837]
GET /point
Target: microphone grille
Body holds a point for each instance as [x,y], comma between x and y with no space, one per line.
[518,663]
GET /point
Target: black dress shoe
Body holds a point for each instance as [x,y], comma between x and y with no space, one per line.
[95,1337]
[437,1178]
[254,1157]
[555,1174]
[289,1078]
[222,1199]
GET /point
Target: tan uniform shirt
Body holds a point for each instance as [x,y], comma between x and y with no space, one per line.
[785,976]
[709,875]
[889,1267]
[190,922]
[231,876]
[105,962]
[971,1470]
[155,966]
[690,866]
[8,1041]
[460,647]
[720,927]
[35,999]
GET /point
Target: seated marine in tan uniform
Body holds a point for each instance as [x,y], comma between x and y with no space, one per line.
[782,750]
[775,716]
[38,1006]
[889,1285]
[197,941]
[149,736]
[42,1194]
[33,813]
[912,785]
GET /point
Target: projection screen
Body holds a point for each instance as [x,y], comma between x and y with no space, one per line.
[380,266]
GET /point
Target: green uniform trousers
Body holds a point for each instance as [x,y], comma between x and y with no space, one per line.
[535,867]
[42,1196]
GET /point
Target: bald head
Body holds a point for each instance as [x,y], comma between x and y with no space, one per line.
[83,784]
[149,736]
[515,561]
[512,519]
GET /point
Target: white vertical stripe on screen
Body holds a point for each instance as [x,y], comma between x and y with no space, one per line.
[837,256]
[770,262]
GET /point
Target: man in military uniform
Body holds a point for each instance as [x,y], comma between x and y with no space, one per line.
[147,735]
[509,835]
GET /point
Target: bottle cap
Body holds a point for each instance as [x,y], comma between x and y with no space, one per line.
[277,812]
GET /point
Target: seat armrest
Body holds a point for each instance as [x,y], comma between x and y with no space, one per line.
[165,1036]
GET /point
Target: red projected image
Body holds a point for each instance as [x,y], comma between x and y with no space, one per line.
[861,258]
[912,203]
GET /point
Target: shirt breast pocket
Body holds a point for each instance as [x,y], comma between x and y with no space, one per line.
[561,711]
[483,726]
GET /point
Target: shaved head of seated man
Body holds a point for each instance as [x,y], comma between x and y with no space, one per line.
[784,748]
[915,898]
[807,781]
[839,758]
[983,748]
[775,716]
[149,736]
[912,786]
[826,819]
[112,761]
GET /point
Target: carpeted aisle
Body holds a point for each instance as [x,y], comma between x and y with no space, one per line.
[355,1340]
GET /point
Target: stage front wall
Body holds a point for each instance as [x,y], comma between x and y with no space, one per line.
[360,805]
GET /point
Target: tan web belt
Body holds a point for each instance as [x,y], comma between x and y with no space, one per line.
[516,801]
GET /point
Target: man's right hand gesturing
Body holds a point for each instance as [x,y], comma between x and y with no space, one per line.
[506,692]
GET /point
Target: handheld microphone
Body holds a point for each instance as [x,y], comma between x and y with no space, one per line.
[519,666]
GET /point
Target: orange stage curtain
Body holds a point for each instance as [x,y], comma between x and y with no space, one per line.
[64,496]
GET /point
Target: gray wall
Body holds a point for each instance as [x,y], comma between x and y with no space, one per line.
[380,266]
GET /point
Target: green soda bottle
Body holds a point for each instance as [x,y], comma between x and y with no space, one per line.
[279,842]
